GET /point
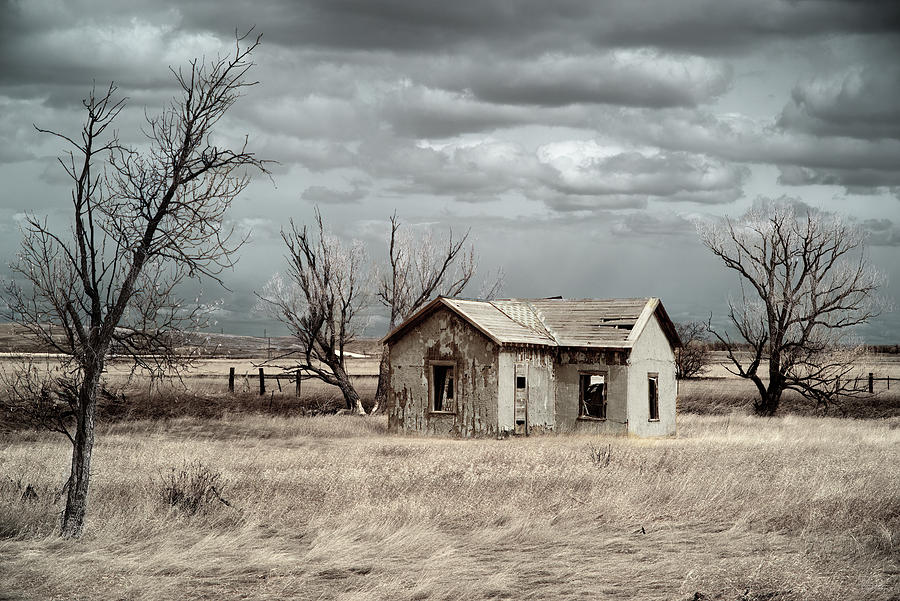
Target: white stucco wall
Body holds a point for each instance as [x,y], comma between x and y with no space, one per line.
[651,353]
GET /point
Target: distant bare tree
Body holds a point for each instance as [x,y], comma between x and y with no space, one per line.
[142,223]
[321,303]
[805,283]
[422,268]
[693,355]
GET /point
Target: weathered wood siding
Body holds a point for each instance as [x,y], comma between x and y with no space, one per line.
[443,336]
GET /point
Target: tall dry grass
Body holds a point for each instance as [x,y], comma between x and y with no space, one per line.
[336,508]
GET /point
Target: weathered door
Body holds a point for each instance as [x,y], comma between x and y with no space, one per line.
[521,385]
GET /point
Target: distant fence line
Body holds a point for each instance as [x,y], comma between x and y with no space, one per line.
[296,376]
[868,383]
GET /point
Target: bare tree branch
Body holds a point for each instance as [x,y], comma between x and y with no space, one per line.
[423,268]
[693,355]
[142,223]
[320,301]
[809,283]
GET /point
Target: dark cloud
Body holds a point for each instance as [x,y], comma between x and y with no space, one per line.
[436,25]
[653,224]
[860,180]
[419,112]
[637,77]
[569,176]
[675,176]
[860,103]
[882,232]
[326,195]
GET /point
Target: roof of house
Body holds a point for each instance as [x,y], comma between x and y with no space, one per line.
[588,323]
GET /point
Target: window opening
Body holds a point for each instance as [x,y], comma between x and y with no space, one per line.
[442,382]
[520,382]
[592,402]
[653,395]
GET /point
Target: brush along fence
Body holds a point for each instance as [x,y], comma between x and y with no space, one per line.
[296,376]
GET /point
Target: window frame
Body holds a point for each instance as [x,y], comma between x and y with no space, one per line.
[441,363]
[605,374]
[653,402]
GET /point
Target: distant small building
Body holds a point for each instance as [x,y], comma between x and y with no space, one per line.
[484,368]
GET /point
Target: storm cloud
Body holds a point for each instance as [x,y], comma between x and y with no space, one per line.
[551,129]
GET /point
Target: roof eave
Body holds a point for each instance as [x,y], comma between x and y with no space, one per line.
[430,308]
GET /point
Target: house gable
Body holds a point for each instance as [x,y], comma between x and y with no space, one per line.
[440,347]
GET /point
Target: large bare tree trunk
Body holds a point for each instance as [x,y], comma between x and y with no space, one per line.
[351,397]
[82,449]
[384,371]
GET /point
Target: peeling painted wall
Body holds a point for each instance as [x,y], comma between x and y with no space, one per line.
[652,353]
[443,336]
[540,384]
[571,364]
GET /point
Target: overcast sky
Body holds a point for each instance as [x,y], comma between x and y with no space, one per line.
[577,138]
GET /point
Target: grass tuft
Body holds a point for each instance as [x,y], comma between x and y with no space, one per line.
[193,488]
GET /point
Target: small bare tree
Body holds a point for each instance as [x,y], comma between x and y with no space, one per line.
[142,223]
[805,283]
[421,269]
[693,355]
[321,303]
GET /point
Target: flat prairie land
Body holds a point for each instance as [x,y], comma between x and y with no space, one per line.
[335,507]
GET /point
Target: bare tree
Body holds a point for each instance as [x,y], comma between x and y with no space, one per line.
[321,303]
[693,355]
[141,224]
[422,268]
[805,283]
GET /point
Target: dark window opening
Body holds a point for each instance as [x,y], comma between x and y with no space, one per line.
[520,382]
[442,382]
[592,396]
[653,396]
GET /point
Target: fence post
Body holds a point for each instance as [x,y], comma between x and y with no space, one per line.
[297,383]
[231,380]
[262,382]
[871,382]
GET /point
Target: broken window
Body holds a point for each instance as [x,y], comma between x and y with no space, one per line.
[592,396]
[442,382]
[653,395]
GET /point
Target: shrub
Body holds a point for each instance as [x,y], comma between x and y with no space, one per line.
[193,488]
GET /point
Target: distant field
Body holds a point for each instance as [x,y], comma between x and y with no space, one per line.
[203,390]
[334,507]
[15,339]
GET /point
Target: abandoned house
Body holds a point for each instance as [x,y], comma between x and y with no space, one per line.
[474,368]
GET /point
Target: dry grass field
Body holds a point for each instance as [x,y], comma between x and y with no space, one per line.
[333,507]
[200,494]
